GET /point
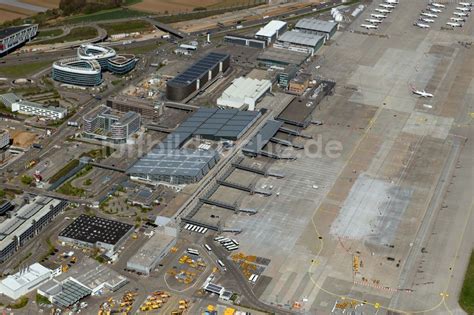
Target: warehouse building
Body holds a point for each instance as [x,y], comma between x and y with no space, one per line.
[299,41]
[124,104]
[16,104]
[244,93]
[272,31]
[276,57]
[25,281]
[196,76]
[15,36]
[76,71]
[88,231]
[245,41]
[153,251]
[169,162]
[318,27]
[25,223]
[101,123]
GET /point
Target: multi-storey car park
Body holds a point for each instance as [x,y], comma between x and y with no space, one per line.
[196,76]
[15,36]
[77,72]
[25,223]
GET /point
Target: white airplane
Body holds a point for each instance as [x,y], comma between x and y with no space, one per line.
[435,10]
[427,20]
[463,9]
[438,5]
[422,93]
[457,19]
[392,1]
[387,6]
[382,10]
[431,15]
[453,24]
[378,16]
[465,4]
[421,25]
[369,26]
[374,21]
[460,13]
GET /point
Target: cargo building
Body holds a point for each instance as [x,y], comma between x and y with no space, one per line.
[318,27]
[272,31]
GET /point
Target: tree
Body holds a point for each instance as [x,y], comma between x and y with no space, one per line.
[26,179]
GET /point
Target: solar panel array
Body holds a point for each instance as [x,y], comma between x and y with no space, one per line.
[71,293]
[198,69]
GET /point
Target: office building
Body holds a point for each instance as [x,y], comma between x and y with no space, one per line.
[121,64]
[15,36]
[318,27]
[144,107]
[76,71]
[25,281]
[4,138]
[89,231]
[25,223]
[153,251]
[196,76]
[299,41]
[101,54]
[271,31]
[103,124]
[16,104]
[244,93]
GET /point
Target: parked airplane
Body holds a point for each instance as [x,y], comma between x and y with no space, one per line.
[382,10]
[378,16]
[431,15]
[421,25]
[369,26]
[387,6]
[422,93]
[426,20]
[465,4]
[463,9]
[373,21]
[453,24]
[392,1]
[435,10]
[438,5]
[457,19]
[460,13]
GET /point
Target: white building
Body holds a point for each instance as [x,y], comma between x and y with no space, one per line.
[272,31]
[4,138]
[25,281]
[16,104]
[244,93]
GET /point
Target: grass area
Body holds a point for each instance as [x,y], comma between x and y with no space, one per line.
[77,33]
[25,70]
[70,190]
[50,33]
[41,299]
[112,14]
[68,167]
[26,180]
[98,154]
[20,303]
[466,298]
[127,27]
[139,49]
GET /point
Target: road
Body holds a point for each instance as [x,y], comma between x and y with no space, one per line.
[242,283]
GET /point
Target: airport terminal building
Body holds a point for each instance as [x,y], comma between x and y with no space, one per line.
[14,36]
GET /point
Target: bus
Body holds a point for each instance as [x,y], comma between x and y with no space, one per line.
[253,278]
[220,263]
[235,242]
[224,240]
[232,247]
[218,238]
[207,247]
[193,251]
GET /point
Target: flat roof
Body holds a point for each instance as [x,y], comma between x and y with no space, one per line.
[262,137]
[13,29]
[25,278]
[300,38]
[96,229]
[316,25]
[198,69]
[283,56]
[151,250]
[270,28]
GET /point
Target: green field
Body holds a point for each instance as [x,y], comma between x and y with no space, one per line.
[45,34]
[466,298]
[138,50]
[24,70]
[112,14]
[78,33]
[127,27]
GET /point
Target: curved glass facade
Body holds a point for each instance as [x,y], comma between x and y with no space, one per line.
[121,67]
[77,72]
